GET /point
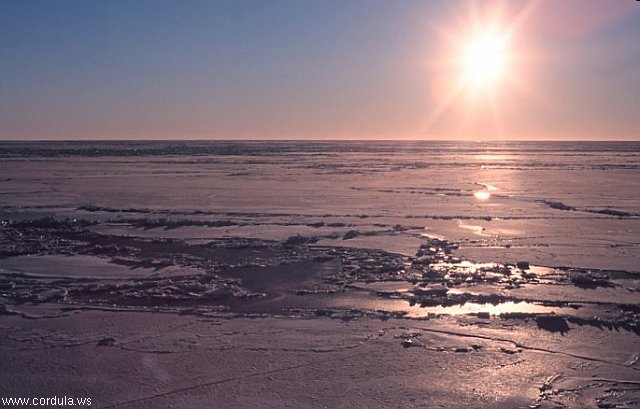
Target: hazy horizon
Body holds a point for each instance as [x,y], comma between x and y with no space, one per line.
[326,139]
[357,70]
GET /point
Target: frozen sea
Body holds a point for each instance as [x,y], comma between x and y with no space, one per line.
[321,274]
[573,204]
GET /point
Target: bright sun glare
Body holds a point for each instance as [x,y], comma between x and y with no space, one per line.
[484,59]
[481,62]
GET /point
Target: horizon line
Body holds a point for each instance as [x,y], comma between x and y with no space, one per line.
[318,140]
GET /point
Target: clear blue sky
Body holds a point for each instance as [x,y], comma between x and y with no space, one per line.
[295,69]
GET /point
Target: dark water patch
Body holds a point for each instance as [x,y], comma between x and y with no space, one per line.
[552,323]
[558,205]
[351,234]
[560,323]
[608,211]
[627,323]
[613,212]
[589,280]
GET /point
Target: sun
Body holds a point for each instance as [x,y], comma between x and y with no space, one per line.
[481,60]
[484,59]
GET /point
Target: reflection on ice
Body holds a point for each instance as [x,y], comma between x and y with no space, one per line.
[478,230]
[482,195]
[360,300]
[501,308]
[432,235]
[492,157]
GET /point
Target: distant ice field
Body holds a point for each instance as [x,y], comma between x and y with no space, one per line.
[557,204]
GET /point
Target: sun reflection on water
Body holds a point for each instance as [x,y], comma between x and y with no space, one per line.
[482,195]
[500,308]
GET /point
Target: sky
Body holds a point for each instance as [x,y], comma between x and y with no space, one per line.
[331,69]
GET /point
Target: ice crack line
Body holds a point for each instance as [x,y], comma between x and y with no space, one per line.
[523,346]
[223,381]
